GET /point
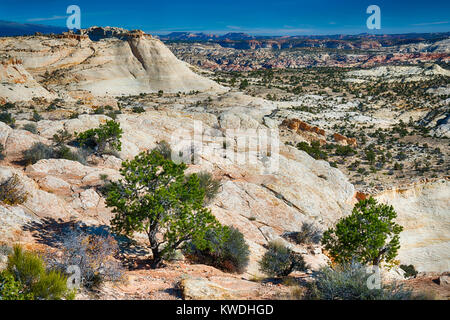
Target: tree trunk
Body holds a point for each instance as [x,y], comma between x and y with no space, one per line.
[157,259]
[154,246]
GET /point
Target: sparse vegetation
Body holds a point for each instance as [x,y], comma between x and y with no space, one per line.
[164,149]
[27,278]
[40,151]
[2,151]
[31,127]
[93,253]
[227,250]
[410,270]
[12,191]
[7,118]
[209,184]
[280,261]
[350,282]
[309,234]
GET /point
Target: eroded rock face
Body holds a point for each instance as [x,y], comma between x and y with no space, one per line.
[109,67]
[423,211]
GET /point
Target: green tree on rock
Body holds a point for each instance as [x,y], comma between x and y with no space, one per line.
[157,198]
[106,135]
[369,235]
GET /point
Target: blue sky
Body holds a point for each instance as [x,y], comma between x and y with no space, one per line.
[259,17]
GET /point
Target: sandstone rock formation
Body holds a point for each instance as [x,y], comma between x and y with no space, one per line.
[108,67]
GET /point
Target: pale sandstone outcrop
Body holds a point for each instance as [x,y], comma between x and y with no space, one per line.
[423,211]
[102,68]
[220,289]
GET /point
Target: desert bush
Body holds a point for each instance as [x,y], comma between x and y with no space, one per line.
[8,105]
[7,118]
[93,253]
[308,234]
[368,235]
[164,149]
[31,127]
[227,250]
[64,152]
[349,282]
[410,270]
[36,116]
[104,139]
[38,151]
[32,278]
[280,261]
[62,137]
[209,184]
[12,191]
[138,109]
[2,150]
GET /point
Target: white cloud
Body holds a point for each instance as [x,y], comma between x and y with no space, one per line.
[47,19]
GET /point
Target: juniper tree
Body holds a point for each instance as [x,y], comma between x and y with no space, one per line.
[155,197]
[368,235]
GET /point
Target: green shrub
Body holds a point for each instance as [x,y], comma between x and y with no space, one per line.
[62,137]
[52,285]
[350,282]
[36,116]
[10,289]
[227,250]
[410,270]
[8,105]
[32,278]
[2,150]
[64,152]
[209,184]
[164,149]
[7,118]
[38,151]
[107,135]
[138,109]
[280,261]
[368,235]
[12,191]
[31,127]
[309,234]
